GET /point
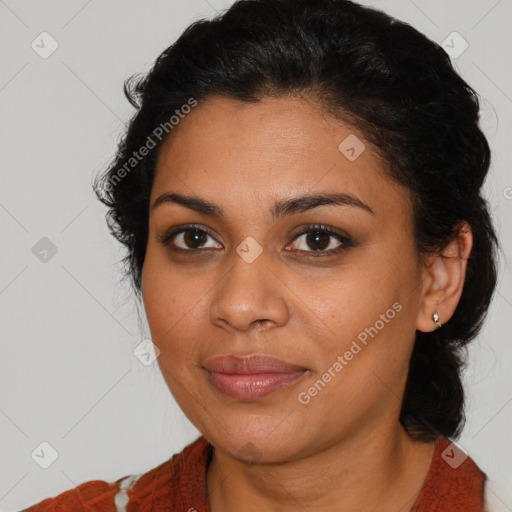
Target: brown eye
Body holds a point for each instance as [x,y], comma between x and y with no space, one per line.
[193,238]
[189,239]
[321,240]
[317,240]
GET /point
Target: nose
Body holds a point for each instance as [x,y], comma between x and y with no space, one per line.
[249,296]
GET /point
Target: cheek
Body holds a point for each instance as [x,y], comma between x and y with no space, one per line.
[353,300]
[167,293]
[176,309]
[368,318]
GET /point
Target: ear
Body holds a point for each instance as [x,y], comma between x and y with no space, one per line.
[443,279]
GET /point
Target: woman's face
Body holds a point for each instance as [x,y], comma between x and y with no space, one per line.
[340,309]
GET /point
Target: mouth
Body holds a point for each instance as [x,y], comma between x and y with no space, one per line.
[250,378]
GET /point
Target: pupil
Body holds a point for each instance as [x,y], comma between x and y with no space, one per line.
[196,235]
[314,237]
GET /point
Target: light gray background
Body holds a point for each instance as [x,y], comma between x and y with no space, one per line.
[68,375]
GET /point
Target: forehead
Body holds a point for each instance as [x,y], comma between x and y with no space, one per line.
[271,149]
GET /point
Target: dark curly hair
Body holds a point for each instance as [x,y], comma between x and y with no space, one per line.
[381,76]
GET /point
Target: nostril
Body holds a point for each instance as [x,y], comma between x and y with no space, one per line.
[262,323]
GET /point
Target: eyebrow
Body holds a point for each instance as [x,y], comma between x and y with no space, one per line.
[279,210]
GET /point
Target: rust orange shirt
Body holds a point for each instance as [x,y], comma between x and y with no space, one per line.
[454,483]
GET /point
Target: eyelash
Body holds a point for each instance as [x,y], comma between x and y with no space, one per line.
[345,240]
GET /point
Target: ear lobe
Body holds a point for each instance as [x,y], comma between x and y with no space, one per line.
[444,279]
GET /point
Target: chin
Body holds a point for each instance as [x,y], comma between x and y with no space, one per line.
[255,450]
[254,440]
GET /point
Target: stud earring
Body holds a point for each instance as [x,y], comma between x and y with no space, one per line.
[435,318]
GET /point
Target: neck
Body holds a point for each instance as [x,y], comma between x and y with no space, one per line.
[367,471]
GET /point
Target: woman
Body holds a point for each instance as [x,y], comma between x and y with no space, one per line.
[300,197]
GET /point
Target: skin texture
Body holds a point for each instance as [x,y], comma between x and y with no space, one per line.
[345,449]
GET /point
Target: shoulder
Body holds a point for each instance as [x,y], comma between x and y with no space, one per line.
[454,482]
[80,498]
[168,481]
[462,478]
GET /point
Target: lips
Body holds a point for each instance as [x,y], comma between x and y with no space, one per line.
[250,365]
[252,377]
